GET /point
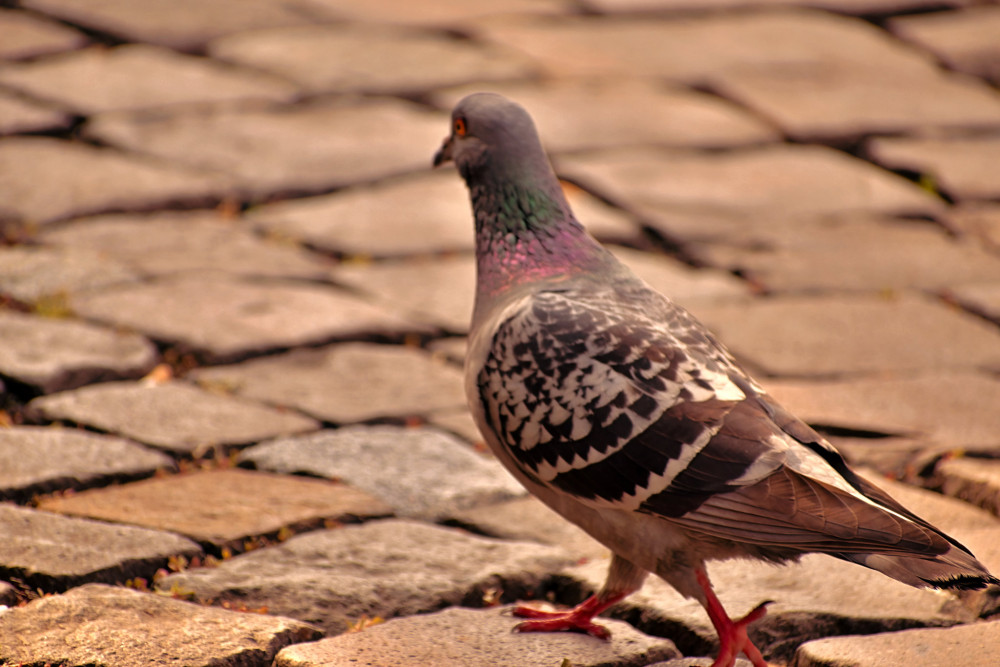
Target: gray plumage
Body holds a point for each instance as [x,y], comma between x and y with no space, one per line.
[619,410]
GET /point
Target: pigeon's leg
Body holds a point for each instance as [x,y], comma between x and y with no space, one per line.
[624,578]
[732,634]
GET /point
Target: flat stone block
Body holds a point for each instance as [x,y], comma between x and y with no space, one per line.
[174,416]
[29,36]
[964,168]
[458,422]
[858,253]
[371,59]
[37,460]
[224,318]
[838,335]
[574,114]
[18,115]
[184,25]
[975,481]
[685,285]
[333,578]
[965,40]
[442,13]
[273,150]
[956,408]
[138,76]
[468,637]
[851,7]
[163,243]
[963,646]
[82,179]
[31,273]
[347,383]
[419,472]
[980,220]
[983,300]
[56,354]
[118,627]
[57,552]
[788,181]
[222,508]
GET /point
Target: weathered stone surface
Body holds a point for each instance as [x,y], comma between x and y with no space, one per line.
[179,24]
[174,416]
[118,627]
[263,148]
[224,318]
[41,460]
[952,407]
[962,646]
[419,472]
[964,40]
[29,36]
[855,7]
[383,568]
[352,58]
[835,335]
[686,285]
[347,383]
[457,422]
[171,242]
[858,253]
[139,76]
[964,168]
[897,457]
[976,481]
[30,273]
[54,354]
[222,508]
[57,552]
[832,100]
[444,13]
[790,181]
[981,220]
[468,637]
[574,114]
[983,300]
[661,47]
[20,115]
[82,179]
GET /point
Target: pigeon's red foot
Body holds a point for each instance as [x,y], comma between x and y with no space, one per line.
[578,619]
[733,637]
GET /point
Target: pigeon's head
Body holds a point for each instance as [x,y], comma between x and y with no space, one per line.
[492,137]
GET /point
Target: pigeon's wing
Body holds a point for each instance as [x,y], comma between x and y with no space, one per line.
[628,403]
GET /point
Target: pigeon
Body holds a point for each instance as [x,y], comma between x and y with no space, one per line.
[624,414]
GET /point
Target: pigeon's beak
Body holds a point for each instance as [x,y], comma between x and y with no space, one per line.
[444,153]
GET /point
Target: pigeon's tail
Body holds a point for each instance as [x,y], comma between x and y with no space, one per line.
[954,569]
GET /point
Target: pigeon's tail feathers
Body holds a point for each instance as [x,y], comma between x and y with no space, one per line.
[954,569]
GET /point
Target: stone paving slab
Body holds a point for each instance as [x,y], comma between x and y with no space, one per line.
[398,382]
[687,286]
[473,637]
[367,59]
[790,181]
[37,460]
[983,300]
[222,509]
[139,76]
[18,115]
[661,47]
[55,354]
[31,273]
[856,253]
[975,481]
[223,318]
[440,13]
[575,114]
[420,472]
[173,416]
[117,627]
[833,335]
[956,408]
[459,423]
[81,179]
[262,148]
[28,35]
[963,646]
[980,220]
[964,40]
[184,25]
[46,550]
[963,168]
[855,7]
[163,243]
[333,578]
[897,457]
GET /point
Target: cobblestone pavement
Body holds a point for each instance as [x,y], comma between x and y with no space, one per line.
[233,296]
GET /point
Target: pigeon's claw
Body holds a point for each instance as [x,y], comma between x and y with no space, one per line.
[733,638]
[578,619]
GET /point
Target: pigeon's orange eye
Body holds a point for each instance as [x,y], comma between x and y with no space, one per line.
[460,127]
